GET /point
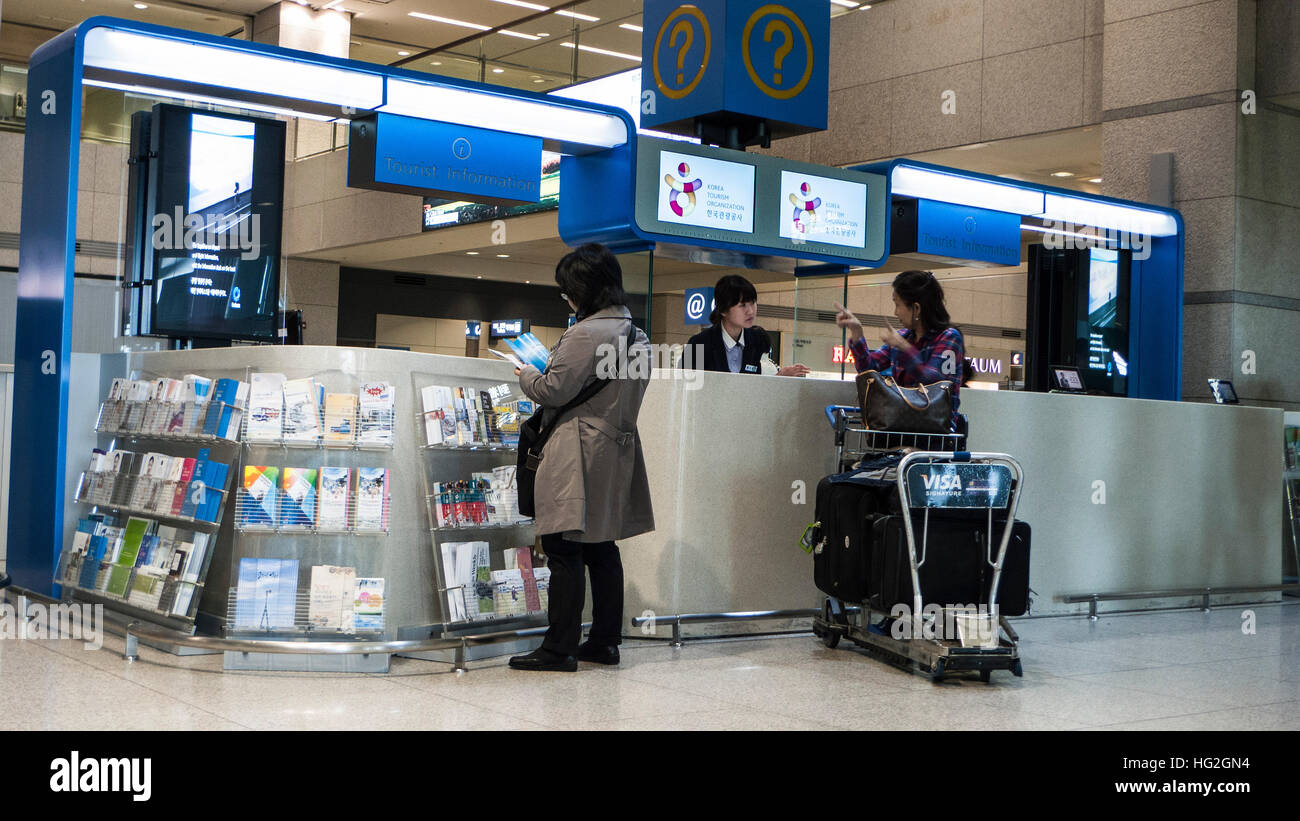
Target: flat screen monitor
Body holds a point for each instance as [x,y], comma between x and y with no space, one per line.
[1103,341]
[821,209]
[215,195]
[706,193]
[1067,378]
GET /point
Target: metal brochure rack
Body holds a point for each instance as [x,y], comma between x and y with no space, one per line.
[455,457]
[159,577]
[313,498]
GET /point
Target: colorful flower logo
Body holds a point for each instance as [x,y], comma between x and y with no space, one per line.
[680,188]
[805,208]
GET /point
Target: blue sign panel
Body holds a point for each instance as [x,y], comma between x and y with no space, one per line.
[682,42]
[959,485]
[778,60]
[473,329]
[407,155]
[716,59]
[699,305]
[43,338]
[960,232]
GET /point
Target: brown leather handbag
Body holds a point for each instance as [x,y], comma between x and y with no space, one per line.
[888,406]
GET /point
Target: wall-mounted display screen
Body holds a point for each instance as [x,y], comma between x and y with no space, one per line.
[1106,319]
[215,191]
[751,209]
[820,209]
[706,193]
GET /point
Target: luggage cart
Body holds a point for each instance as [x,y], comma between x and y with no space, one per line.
[930,482]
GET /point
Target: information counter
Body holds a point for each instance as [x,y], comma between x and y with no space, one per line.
[1121,494]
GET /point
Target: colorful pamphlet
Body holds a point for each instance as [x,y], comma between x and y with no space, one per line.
[340,418]
[332,498]
[375,414]
[368,606]
[298,498]
[372,499]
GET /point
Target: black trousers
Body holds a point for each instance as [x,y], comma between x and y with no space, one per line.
[568,593]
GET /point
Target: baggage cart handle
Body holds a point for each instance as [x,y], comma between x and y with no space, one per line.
[836,412]
[905,498]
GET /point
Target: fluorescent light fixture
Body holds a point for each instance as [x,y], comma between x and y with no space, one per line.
[1062,174]
[141,6]
[523,5]
[503,256]
[500,113]
[630,27]
[447,21]
[848,4]
[945,187]
[587,17]
[1109,215]
[1040,229]
[403,54]
[519,34]
[1095,179]
[471,253]
[498,71]
[436,63]
[203,98]
[153,55]
[603,51]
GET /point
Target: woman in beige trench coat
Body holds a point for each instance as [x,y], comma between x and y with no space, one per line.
[591,484]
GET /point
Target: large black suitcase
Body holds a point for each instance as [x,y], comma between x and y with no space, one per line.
[955,571]
[842,559]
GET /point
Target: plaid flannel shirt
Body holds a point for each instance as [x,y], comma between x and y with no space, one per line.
[912,366]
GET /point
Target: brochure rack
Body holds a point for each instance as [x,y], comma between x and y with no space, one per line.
[313,496]
[475,606]
[145,542]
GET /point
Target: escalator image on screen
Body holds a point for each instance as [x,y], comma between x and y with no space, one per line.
[215,194]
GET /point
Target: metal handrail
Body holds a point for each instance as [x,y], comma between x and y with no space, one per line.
[1204,592]
[138,630]
[678,619]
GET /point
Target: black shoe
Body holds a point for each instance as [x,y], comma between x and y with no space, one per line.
[544,660]
[598,653]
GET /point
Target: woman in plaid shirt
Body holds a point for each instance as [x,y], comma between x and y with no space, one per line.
[928,349]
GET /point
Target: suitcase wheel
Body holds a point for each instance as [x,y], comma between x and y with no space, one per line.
[831,637]
[985,675]
[1018,671]
[937,671]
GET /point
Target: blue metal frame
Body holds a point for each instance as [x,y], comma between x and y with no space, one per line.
[42,350]
[1156,287]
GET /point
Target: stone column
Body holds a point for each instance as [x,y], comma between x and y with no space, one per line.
[1174,75]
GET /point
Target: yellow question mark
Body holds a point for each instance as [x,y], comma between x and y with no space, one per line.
[784,49]
[682,28]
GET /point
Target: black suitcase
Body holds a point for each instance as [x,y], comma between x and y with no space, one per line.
[955,571]
[842,558]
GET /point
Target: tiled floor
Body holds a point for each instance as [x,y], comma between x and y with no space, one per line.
[1178,670]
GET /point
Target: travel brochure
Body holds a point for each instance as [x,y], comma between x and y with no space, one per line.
[302,411]
[138,560]
[476,591]
[156,483]
[470,417]
[322,499]
[268,598]
[190,406]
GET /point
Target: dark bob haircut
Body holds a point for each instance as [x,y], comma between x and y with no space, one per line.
[591,276]
[730,291]
[921,287]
